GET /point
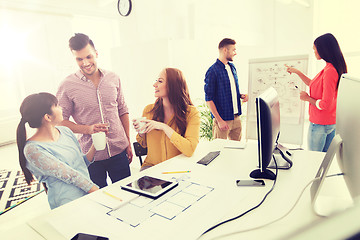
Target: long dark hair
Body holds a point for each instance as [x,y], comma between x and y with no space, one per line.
[179,98]
[328,49]
[32,110]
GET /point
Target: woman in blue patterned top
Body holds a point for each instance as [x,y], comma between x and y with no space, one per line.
[53,154]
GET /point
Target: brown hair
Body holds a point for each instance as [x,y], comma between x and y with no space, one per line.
[179,98]
[225,42]
[79,41]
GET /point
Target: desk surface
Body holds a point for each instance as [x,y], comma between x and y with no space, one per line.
[226,201]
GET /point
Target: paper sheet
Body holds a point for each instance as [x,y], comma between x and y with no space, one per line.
[167,210]
[235,144]
[183,199]
[131,214]
[112,197]
[197,190]
[141,201]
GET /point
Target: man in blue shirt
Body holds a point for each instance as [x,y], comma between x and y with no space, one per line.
[222,93]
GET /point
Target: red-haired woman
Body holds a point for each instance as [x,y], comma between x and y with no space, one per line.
[173,123]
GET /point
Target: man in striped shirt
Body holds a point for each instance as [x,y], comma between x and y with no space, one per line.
[93,98]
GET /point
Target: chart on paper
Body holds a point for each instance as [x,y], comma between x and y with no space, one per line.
[169,206]
[271,72]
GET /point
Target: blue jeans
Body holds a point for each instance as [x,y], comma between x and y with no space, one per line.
[117,167]
[320,137]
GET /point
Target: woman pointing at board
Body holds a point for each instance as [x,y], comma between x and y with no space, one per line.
[323,92]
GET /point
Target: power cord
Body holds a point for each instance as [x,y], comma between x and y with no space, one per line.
[294,149]
[251,209]
[287,213]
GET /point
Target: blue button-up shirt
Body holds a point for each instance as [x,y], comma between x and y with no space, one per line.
[217,89]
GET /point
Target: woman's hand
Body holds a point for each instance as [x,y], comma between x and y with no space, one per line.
[139,125]
[291,70]
[91,153]
[145,125]
[153,125]
[302,76]
[244,97]
[304,96]
[93,189]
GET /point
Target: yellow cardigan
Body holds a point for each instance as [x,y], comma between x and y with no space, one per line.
[161,148]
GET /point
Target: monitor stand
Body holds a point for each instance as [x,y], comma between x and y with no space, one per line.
[325,205]
[267,174]
[283,158]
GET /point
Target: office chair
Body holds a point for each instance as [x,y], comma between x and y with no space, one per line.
[139,151]
[45,187]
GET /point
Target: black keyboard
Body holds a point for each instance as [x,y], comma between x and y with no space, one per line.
[209,157]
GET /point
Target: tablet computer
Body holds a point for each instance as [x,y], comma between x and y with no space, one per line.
[149,186]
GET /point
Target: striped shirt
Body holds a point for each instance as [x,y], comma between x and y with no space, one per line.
[217,89]
[87,105]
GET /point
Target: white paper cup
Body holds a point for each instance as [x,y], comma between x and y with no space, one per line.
[99,140]
[141,124]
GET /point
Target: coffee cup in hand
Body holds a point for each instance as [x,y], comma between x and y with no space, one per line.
[141,124]
[99,140]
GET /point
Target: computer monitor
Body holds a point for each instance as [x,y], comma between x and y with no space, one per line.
[268,130]
[345,144]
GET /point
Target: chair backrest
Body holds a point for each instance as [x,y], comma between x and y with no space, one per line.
[45,187]
[139,151]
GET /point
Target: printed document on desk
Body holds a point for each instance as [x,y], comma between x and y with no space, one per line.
[90,217]
[112,197]
[168,218]
[235,144]
[170,206]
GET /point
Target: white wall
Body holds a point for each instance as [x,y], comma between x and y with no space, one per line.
[185,34]
[32,60]
[341,18]
[160,33]
[35,55]
[188,33]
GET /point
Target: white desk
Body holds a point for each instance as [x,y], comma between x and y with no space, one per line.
[15,220]
[227,200]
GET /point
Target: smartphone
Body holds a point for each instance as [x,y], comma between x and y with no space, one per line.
[84,236]
[250,183]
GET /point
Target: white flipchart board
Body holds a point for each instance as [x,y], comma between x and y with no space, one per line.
[271,72]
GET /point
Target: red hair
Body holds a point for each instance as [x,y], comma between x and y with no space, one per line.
[179,98]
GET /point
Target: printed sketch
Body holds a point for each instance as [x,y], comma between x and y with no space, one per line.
[273,74]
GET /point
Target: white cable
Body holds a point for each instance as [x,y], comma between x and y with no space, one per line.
[278,219]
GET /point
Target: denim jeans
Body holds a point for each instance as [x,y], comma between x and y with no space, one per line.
[117,167]
[320,137]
